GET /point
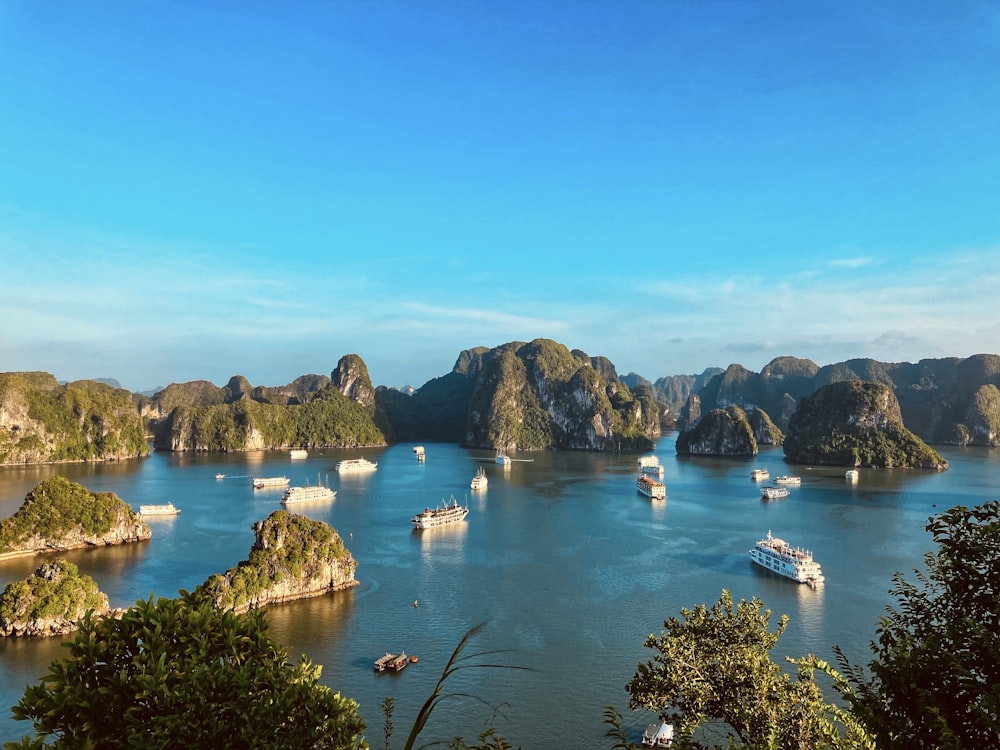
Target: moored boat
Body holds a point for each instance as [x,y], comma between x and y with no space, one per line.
[166,509]
[779,556]
[449,512]
[851,475]
[791,481]
[651,488]
[759,474]
[307,495]
[354,465]
[298,453]
[658,735]
[262,482]
[773,493]
[395,662]
[479,482]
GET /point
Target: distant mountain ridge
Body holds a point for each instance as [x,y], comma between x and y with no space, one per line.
[520,395]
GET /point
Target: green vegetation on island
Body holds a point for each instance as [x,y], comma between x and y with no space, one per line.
[58,511]
[81,421]
[293,556]
[855,423]
[50,601]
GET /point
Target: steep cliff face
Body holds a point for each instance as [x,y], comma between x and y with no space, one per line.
[60,515]
[721,432]
[42,421]
[293,557]
[351,378]
[49,602]
[540,395]
[855,423]
[765,431]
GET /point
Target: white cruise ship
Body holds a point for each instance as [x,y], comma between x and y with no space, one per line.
[260,483]
[167,509]
[351,465]
[307,495]
[479,482]
[779,556]
[450,512]
[650,465]
[649,487]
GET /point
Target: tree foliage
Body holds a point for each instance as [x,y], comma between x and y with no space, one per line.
[935,678]
[181,673]
[713,665]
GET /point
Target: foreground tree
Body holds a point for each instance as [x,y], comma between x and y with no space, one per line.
[935,678]
[181,673]
[715,665]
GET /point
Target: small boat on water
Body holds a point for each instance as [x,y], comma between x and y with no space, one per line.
[355,465]
[391,661]
[651,488]
[790,481]
[479,482]
[296,453]
[658,735]
[220,475]
[779,556]
[851,475]
[450,512]
[295,495]
[419,450]
[167,509]
[503,458]
[773,493]
[260,483]
[760,474]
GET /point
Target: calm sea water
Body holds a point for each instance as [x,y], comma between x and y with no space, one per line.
[569,567]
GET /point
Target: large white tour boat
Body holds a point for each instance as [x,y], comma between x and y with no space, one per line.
[779,556]
[167,509]
[773,493]
[450,512]
[262,482]
[307,495]
[352,465]
[651,488]
[790,481]
[760,474]
[479,482]
[650,465]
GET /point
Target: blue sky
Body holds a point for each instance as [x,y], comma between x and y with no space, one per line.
[195,190]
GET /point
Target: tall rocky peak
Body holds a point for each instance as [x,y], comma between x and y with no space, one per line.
[470,361]
[237,389]
[721,432]
[855,423]
[540,395]
[351,378]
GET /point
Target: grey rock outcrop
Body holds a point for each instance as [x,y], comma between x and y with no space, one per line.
[721,432]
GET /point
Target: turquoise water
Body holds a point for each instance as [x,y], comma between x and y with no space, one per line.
[569,567]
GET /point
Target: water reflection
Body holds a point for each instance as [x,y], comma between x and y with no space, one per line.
[810,601]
